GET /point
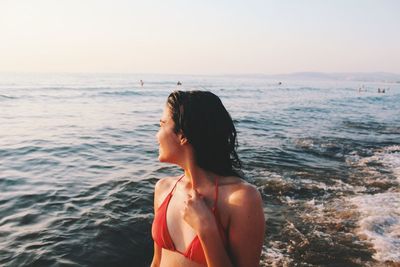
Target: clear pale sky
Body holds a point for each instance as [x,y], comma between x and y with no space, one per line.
[200,37]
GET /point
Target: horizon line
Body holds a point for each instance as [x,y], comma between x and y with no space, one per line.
[204,74]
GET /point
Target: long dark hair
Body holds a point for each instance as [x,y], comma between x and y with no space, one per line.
[202,118]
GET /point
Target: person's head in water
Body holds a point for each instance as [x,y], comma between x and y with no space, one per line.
[202,118]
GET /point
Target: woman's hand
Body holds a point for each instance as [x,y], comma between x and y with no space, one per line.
[196,213]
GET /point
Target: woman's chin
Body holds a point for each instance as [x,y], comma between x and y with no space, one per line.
[161,158]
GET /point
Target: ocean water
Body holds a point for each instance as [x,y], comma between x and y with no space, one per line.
[78,164]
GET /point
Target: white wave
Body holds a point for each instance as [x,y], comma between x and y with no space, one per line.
[274,255]
[379,220]
[381,169]
[391,158]
[379,223]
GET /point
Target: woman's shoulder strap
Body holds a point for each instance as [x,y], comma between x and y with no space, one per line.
[180,178]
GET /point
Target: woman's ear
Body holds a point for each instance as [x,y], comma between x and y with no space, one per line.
[183,139]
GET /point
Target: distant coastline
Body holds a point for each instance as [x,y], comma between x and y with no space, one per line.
[381,77]
[386,77]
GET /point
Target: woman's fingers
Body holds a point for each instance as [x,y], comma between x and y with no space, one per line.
[195,194]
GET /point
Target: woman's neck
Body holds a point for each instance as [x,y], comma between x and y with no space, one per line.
[196,177]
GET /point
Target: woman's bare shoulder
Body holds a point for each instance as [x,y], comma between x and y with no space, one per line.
[240,191]
[162,188]
[165,184]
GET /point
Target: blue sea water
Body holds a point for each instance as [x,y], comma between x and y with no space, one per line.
[78,164]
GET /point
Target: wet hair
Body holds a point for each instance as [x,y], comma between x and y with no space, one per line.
[202,118]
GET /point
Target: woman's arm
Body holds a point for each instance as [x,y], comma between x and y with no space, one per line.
[247,227]
[159,188]
[213,247]
[156,256]
[201,219]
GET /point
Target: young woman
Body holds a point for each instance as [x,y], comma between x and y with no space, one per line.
[208,216]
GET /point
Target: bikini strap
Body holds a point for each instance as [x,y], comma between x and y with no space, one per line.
[216,194]
[170,193]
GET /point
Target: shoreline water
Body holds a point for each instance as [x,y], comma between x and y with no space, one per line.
[79,163]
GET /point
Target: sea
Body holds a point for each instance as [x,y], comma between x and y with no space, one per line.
[78,165]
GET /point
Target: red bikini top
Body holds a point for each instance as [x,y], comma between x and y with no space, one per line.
[163,239]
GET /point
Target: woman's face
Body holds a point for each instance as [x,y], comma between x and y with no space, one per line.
[168,140]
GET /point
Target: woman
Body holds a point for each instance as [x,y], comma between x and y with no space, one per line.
[207,216]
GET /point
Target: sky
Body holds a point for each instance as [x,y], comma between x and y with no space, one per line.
[199,37]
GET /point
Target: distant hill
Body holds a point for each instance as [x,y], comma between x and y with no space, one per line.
[353,76]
